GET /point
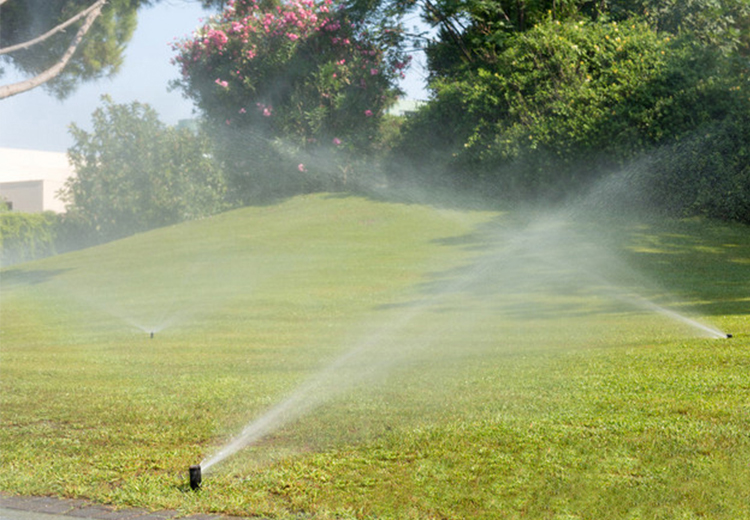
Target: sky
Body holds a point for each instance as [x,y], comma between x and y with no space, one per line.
[35,120]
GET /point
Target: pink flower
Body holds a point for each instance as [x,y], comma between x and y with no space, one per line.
[221,83]
[265,110]
[373,72]
[292,36]
[336,141]
[242,110]
[301,167]
[368,113]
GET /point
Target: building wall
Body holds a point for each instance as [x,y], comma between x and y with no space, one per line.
[52,201]
[31,179]
[26,196]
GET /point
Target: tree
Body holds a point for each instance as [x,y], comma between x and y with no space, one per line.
[289,82]
[723,24]
[565,102]
[133,173]
[33,39]
[474,32]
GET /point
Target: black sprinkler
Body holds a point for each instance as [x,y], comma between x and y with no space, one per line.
[152,335]
[195,477]
[729,335]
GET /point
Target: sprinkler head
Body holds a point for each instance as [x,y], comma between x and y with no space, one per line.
[729,335]
[152,335]
[195,477]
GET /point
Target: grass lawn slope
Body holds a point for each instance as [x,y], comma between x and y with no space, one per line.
[405,362]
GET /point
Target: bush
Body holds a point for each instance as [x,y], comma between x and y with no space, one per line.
[566,102]
[26,236]
[133,173]
[705,174]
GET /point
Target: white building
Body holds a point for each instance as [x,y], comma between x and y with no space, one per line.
[31,179]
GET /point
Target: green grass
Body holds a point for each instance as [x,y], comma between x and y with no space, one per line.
[501,368]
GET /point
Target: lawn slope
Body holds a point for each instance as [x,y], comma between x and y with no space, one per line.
[434,364]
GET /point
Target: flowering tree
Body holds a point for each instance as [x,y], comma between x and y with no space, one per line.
[301,72]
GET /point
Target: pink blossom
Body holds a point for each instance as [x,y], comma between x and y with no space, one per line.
[292,36]
[368,113]
[221,83]
[373,72]
[336,141]
[301,167]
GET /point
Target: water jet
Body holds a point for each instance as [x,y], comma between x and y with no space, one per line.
[195,477]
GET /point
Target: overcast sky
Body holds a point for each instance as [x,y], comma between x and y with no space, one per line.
[35,120]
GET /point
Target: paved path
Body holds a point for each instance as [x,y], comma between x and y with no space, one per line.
[47,508]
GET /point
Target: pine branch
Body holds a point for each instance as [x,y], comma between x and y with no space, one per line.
[23,86]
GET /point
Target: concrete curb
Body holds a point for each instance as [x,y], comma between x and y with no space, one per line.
[49,508]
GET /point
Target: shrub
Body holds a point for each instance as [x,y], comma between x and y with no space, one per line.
[26,236]
[566,102]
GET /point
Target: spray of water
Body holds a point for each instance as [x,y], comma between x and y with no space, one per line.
[549,252]
[695,324]
[375,354]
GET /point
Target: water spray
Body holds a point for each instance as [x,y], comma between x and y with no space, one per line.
[195,477]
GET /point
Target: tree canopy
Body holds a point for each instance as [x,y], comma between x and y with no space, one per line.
[35,39]
[537,98]
[134,173]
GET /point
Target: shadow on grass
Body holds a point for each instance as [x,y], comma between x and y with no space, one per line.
[549,265]
[18,277]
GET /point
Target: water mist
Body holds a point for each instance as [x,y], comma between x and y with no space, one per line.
[550,252]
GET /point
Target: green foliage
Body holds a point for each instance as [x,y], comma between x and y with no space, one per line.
[706,173]
[722,24]
[26,236]
[566,102]
[133,173]
[476,31]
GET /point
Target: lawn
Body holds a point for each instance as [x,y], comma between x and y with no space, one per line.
[400,361]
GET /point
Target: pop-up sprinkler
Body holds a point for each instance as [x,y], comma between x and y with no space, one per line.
[195,477]
[729,335]
[152,335]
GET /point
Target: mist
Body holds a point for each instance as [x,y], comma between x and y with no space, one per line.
[540,274]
